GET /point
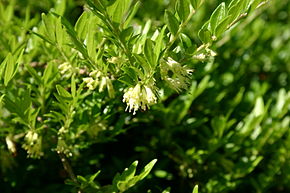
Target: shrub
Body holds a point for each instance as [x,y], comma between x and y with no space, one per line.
[197,88]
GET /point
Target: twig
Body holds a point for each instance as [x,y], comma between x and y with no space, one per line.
[67,167]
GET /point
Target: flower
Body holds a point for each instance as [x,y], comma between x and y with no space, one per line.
[66,69]
[33,144]
[176,75]
[97,79]
[139,97]
[10,144]
[91,83]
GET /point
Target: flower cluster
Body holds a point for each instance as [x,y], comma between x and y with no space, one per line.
[140,96]
[96,78]
[33,144]
[176,75]
[65,69]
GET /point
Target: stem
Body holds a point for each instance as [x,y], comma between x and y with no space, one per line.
[117,32]
[180,29]
[67,167]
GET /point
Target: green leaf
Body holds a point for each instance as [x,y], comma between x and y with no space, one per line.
[34,73]
[63,93]
[146,170]
[118,10]
[171,22]
[217,16]
[195,189]
[149,52]
[218,124]
[235,10]
[73,86]
[93,177]
[81,25]
[186,40]
[77,43]
[60,7]
[196,3]
[159,44]
[131,14]
[204,34]
[11,66]
[222,27]
[59,32]
[183,9]
[49,74]
[49,25]
[91,40]
[43,38]
[1,99]
[131,72]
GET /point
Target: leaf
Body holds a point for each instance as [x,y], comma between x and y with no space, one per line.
[186,40]
[218,124]
[196,3]
[204,34]
[259,108]
[1,99]
[149,52]
[146,170]
[93,177]
[63,93]
[235,10]
[60,7]
[42,37]
[81,25]
[183,9]
[131,72]
[49,26]
[171,22]
[118,10]
[222,27]
[11,66]
[217,16]
[59,32]
[73,86]
[77,43]
[49,74]
[131,14]
[34,73]
[91,42]
[195,189]
[121,182]
[128,179]
[158,44]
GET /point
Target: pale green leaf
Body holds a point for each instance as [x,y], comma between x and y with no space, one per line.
[171,22]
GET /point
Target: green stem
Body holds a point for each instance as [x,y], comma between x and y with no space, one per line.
[180,29]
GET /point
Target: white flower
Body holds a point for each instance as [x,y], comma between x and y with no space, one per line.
[139,97]
[91,83]
[10,144]
[33,144]
[176,75]
[66,69]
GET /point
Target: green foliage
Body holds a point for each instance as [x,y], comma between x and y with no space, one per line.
[90,86]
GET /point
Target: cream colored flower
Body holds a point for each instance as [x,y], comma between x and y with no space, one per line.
[91,83]
[176,75]
[139,97]
[10,144]
[33,144]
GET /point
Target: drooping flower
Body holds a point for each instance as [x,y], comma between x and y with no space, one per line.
[33,144]
[176,75]
[140,96]
[97,79]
